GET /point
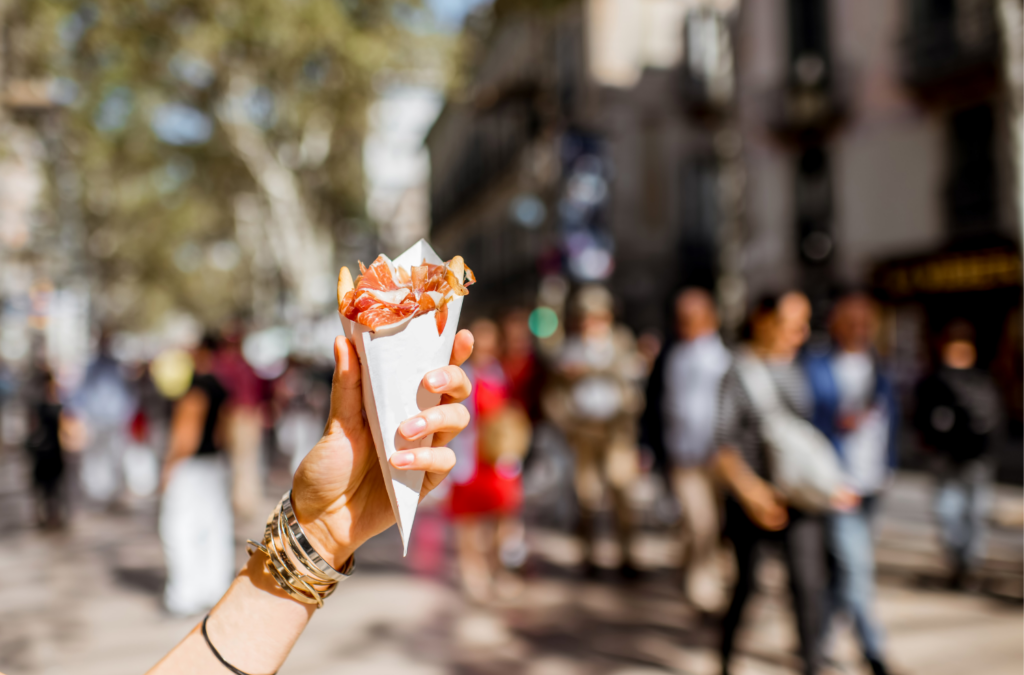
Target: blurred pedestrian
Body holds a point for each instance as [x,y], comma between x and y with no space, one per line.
[301,400]
[46,451]
[959,415]
[679,425]
[486,492]
[755,511]
[196,526]
[244,420]
[105,405]
[596,400]
[855,407]
[519,360]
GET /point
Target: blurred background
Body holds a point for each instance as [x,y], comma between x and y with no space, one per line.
[172,169]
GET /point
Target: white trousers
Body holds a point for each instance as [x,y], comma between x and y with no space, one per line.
[102,471]
[197,533]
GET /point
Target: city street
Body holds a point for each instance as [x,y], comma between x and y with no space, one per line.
[87,601]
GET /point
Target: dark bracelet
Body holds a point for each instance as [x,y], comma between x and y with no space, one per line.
[206,636]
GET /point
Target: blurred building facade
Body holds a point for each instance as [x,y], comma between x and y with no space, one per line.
[747,147]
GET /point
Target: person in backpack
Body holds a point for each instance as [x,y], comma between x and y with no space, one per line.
[855,407]
[959,416]
[756,511]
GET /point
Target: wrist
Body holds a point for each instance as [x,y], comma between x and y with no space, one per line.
[333,543]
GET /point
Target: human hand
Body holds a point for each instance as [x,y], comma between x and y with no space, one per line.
[338,491]
[765,507]
[844,499]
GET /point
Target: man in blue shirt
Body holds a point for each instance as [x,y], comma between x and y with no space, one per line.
[855,407]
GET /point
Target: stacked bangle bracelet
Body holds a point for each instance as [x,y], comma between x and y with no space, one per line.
[296,566]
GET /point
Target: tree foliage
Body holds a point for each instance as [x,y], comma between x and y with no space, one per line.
[180,114]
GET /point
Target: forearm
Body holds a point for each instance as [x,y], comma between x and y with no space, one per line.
[737,475]
[254,627]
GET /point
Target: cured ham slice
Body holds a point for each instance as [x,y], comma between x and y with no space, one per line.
[384,295]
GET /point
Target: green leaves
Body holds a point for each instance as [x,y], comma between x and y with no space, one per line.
[145,130]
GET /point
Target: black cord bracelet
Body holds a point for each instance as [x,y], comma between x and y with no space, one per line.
[206,636]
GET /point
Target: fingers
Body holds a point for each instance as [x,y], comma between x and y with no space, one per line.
[445,420]
[346,388]
[345,285]
[431,460]
[450,381]
[462,348]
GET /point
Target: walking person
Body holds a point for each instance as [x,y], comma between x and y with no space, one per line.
[855,407]
[487,492]
[47,453]
[104,404]
[959,415]
[596,400]
[243,425]
[196,526]
[756,512]
[678,425]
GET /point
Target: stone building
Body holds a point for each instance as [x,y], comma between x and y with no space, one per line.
[749,147]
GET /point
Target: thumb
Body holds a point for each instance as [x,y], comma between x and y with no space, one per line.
[346,388]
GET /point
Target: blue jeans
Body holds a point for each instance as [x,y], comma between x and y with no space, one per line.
[852,587]
[961,506]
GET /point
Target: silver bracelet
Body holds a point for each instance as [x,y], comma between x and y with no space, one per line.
[307,550]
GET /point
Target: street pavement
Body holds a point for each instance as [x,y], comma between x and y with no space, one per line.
[87,601]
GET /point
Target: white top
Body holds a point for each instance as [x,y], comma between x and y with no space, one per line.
[855,379]
[693,374]
[865,448]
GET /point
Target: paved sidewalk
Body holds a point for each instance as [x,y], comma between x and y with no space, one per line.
[86,601]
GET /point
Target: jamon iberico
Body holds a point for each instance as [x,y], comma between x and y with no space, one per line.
[384,294]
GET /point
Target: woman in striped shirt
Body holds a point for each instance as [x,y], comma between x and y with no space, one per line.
[755,511]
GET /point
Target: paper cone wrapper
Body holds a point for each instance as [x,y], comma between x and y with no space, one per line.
[394,361]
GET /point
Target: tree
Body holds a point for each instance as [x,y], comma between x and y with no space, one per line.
[198,127]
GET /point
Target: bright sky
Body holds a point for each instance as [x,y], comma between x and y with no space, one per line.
[450,13]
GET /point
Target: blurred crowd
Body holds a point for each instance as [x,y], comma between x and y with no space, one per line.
[562,433]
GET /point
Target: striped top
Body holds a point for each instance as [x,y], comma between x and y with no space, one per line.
[738,423]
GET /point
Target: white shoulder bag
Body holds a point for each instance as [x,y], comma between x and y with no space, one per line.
[803,464]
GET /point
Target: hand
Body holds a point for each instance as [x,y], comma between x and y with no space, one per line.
[848,422]
[338,491]
[844,499]
[765,507]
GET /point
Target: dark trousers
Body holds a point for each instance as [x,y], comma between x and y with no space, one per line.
[803,546]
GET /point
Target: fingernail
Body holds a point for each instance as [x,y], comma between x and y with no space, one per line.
[413,426]
[400,459]
[438,379]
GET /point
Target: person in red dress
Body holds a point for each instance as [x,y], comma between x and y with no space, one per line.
[487,491]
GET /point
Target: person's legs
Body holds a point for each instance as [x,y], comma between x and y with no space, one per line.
[701,530]
[245,440]
[197,534]
[853,551]
[473,566]
[619,470]
[745,537]
[589,490]
[177,526]
[804,546]
[951,503]
[977,476]
[217,528]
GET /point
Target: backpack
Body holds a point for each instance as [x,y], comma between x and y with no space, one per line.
[802,462]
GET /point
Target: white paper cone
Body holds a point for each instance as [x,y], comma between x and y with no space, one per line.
[394,361]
